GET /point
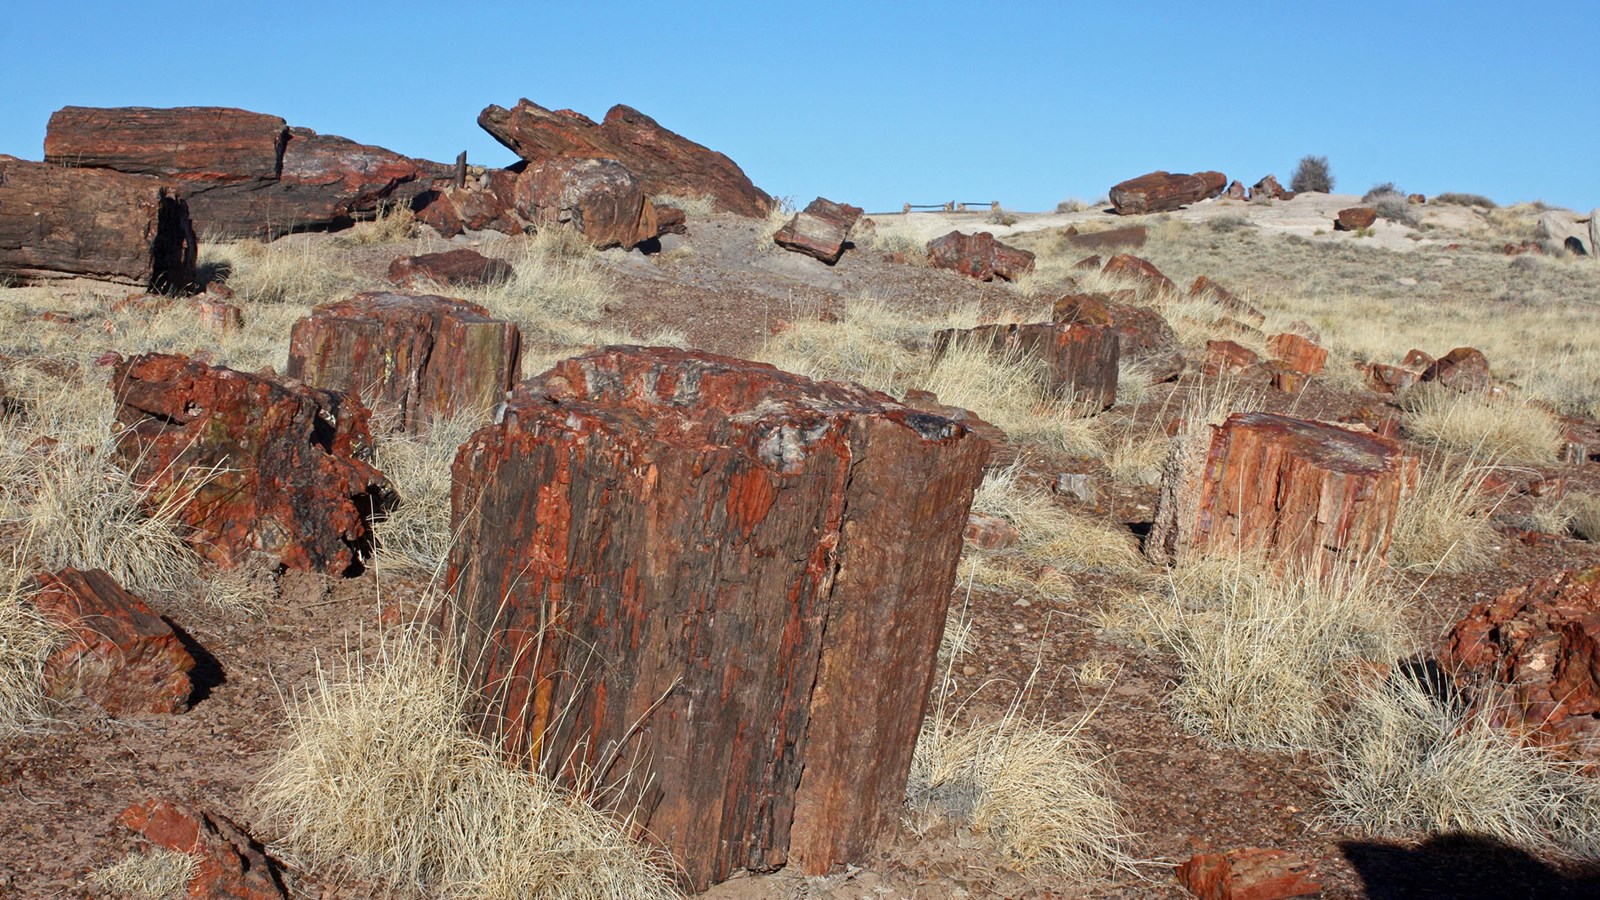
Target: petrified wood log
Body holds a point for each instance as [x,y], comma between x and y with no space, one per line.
[979,256]
[1110,239]
[1080,361]
[1298,353]
[117,653]
[1163,191]
[1143,336]
[258,464]
[1204,288]
[820,230]
[1140,271]
[228,861]
[726,580]
[1311,494]
[462,267]
[59,222]
[194,143]
[598,198]
[411,359]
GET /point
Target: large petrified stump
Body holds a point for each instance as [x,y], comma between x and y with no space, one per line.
[60,222]
[1308,493]
[258,465]
[719,584]
[411,359]
[1143,336]
[1080,361]
[598,198]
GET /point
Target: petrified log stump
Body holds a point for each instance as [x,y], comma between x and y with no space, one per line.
[1143,336]
[59,222]
[598,198]
[820,230]
[117,653]
[724,579]
[1311,494]
[1080,361]
[1249,873]
[411,359]
[1140,271]
[258,464]
[1298,353]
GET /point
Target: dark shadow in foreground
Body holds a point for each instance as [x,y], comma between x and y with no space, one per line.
[1465,867]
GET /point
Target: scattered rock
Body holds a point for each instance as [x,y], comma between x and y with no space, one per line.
[1141,271]
[261,465]
[1464,369]
[231,864]
[1248,874]
[1079,360]
[453,268]
[1076,485]
[1298,353]
[1143,336]
[1088,263]
[1236,191]
[484,203]
[991,533]
[979,256]
[1416,199]
[1228,358]
[1387,379]
[1561,230]
[820,230]
[598,198]
[1310,493]
[216,315]
[1355,218]
[1268,188]
[644,476]
[118,653]
[1162,191]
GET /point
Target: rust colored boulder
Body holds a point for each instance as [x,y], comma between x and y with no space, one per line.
[117,652]
[483,203]
[1298,353]
[1228,358]
[722,580]
[1355,218]
[665,162]
[1204,288]
[1310,494]
[217,315]
[260,465]
[1140,271]
[58,222]
[1143,336]
[1387,379]
[1248,874]
[598,198]
[1541,643]
[230,863]
[463,267]
[671,220]
[1110,239]
[1464,369]
[979,256]
[1269,188]
[1236,191]
[411,359]
[1079,361]
[1163,191]
[820,230]
[987,532]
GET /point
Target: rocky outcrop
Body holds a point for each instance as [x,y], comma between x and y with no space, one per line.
[663,161]
[598,198]
[706,574]
[1312,495]
[57,222]
[463,267]
[820,230]
[1162,191]
[1079,361]
[229,863]
[979,256]
[255,464]
[411,359]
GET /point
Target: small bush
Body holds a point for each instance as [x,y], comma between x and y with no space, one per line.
[1229,223]
[1071,205]
[1583,515]
[416,532]
[26,641]
[1459,199]
[1443,523]
[1312,174]
[695,207]
[1396,208]
[394,223]
[1380,190]
[999,216]
[156,874]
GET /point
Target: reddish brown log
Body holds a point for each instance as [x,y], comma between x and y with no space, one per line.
[665,162]
[230,863]
[462,267]
[1297,353]
[1355,218]
[117,653]
[1079,360]
[1248,874]
[1228,358]
[260,465]
[57,222]
[716,576]
[1141,271]
[979,256]
[1464,369]
[598,198]
[1308,493]
[820,230]
[411,359]
[1387,379]
[191,143]
[1143,336]
[1161,191]
[1204,288]
[1110,239]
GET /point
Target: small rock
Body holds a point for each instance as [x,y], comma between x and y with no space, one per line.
[1464,369]
[1248,874]
[230,862]
[453,268]
[979,256]
[820,230]
[1355,218]
[988,532]
[1075,485]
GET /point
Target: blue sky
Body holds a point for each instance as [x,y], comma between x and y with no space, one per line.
[880,104]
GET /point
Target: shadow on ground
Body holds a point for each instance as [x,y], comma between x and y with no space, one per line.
[1464,867]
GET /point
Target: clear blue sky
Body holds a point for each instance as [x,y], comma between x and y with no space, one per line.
[879,104]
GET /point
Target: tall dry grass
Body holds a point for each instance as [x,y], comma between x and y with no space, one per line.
[415,533]
[27,639]
[1508,427]
[156,874]
[1443,523]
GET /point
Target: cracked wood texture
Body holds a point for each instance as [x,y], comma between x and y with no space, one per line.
[60,222]
[1080,361]
[411,359]
[719,584]
[1313,495]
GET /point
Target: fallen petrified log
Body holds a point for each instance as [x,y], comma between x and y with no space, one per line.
[1311,494]
[1080,361]
[979,256]
[411,359]
[1143,336]
[255,464]
[598,198]
[718,586]
[1141,272]
[1249,873]
[462,267]
[1162,191]
[228,861]
[820,230]
[59,222]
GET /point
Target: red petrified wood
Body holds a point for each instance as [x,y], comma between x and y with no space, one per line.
[1542,640]
[1142,335]
[258,464]
[598,198]
[1298,353]
[1161,191]
[1248,874]
[230,863]
[1355,218]
[1311,494]
[979,256]
[60,222]
[453,268]
[118,653]
[1080,361]
[1465,369]
[820,230]
[411,359]
[1204,288]
[724,581]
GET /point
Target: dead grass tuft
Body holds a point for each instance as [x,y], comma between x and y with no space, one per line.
[1508,427]
[1443,523]
[394,223]
[416,532]
[26,641]
[696,207]
[156,874]
[299,269]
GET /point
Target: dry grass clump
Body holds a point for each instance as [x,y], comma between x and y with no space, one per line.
[695,207]
[416,532]
[892,234]
[1039,789]
[300,269]
[1456,198]
[156,874]
[1509,427]
[1049,534]
[1443,523]
[557,281]
[1264,652]
[380,774]
[1009,391]
[1409,762]
[26,640]
[1585,510]
[783,209]
[394,223]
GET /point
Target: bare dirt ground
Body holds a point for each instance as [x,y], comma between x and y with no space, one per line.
[63,783]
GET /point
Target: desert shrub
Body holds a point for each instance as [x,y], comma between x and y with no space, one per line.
[1506,427]
[395,222]
[298,269]
[891,234]
[156,874]
[1229,223]
[1443,522]
[1396,208]
[1312,174]
[783,209]
[557,281]
[26,641]
[1380,190]
[1071,205]
[1581,513]
[999,216]
[1451,198]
